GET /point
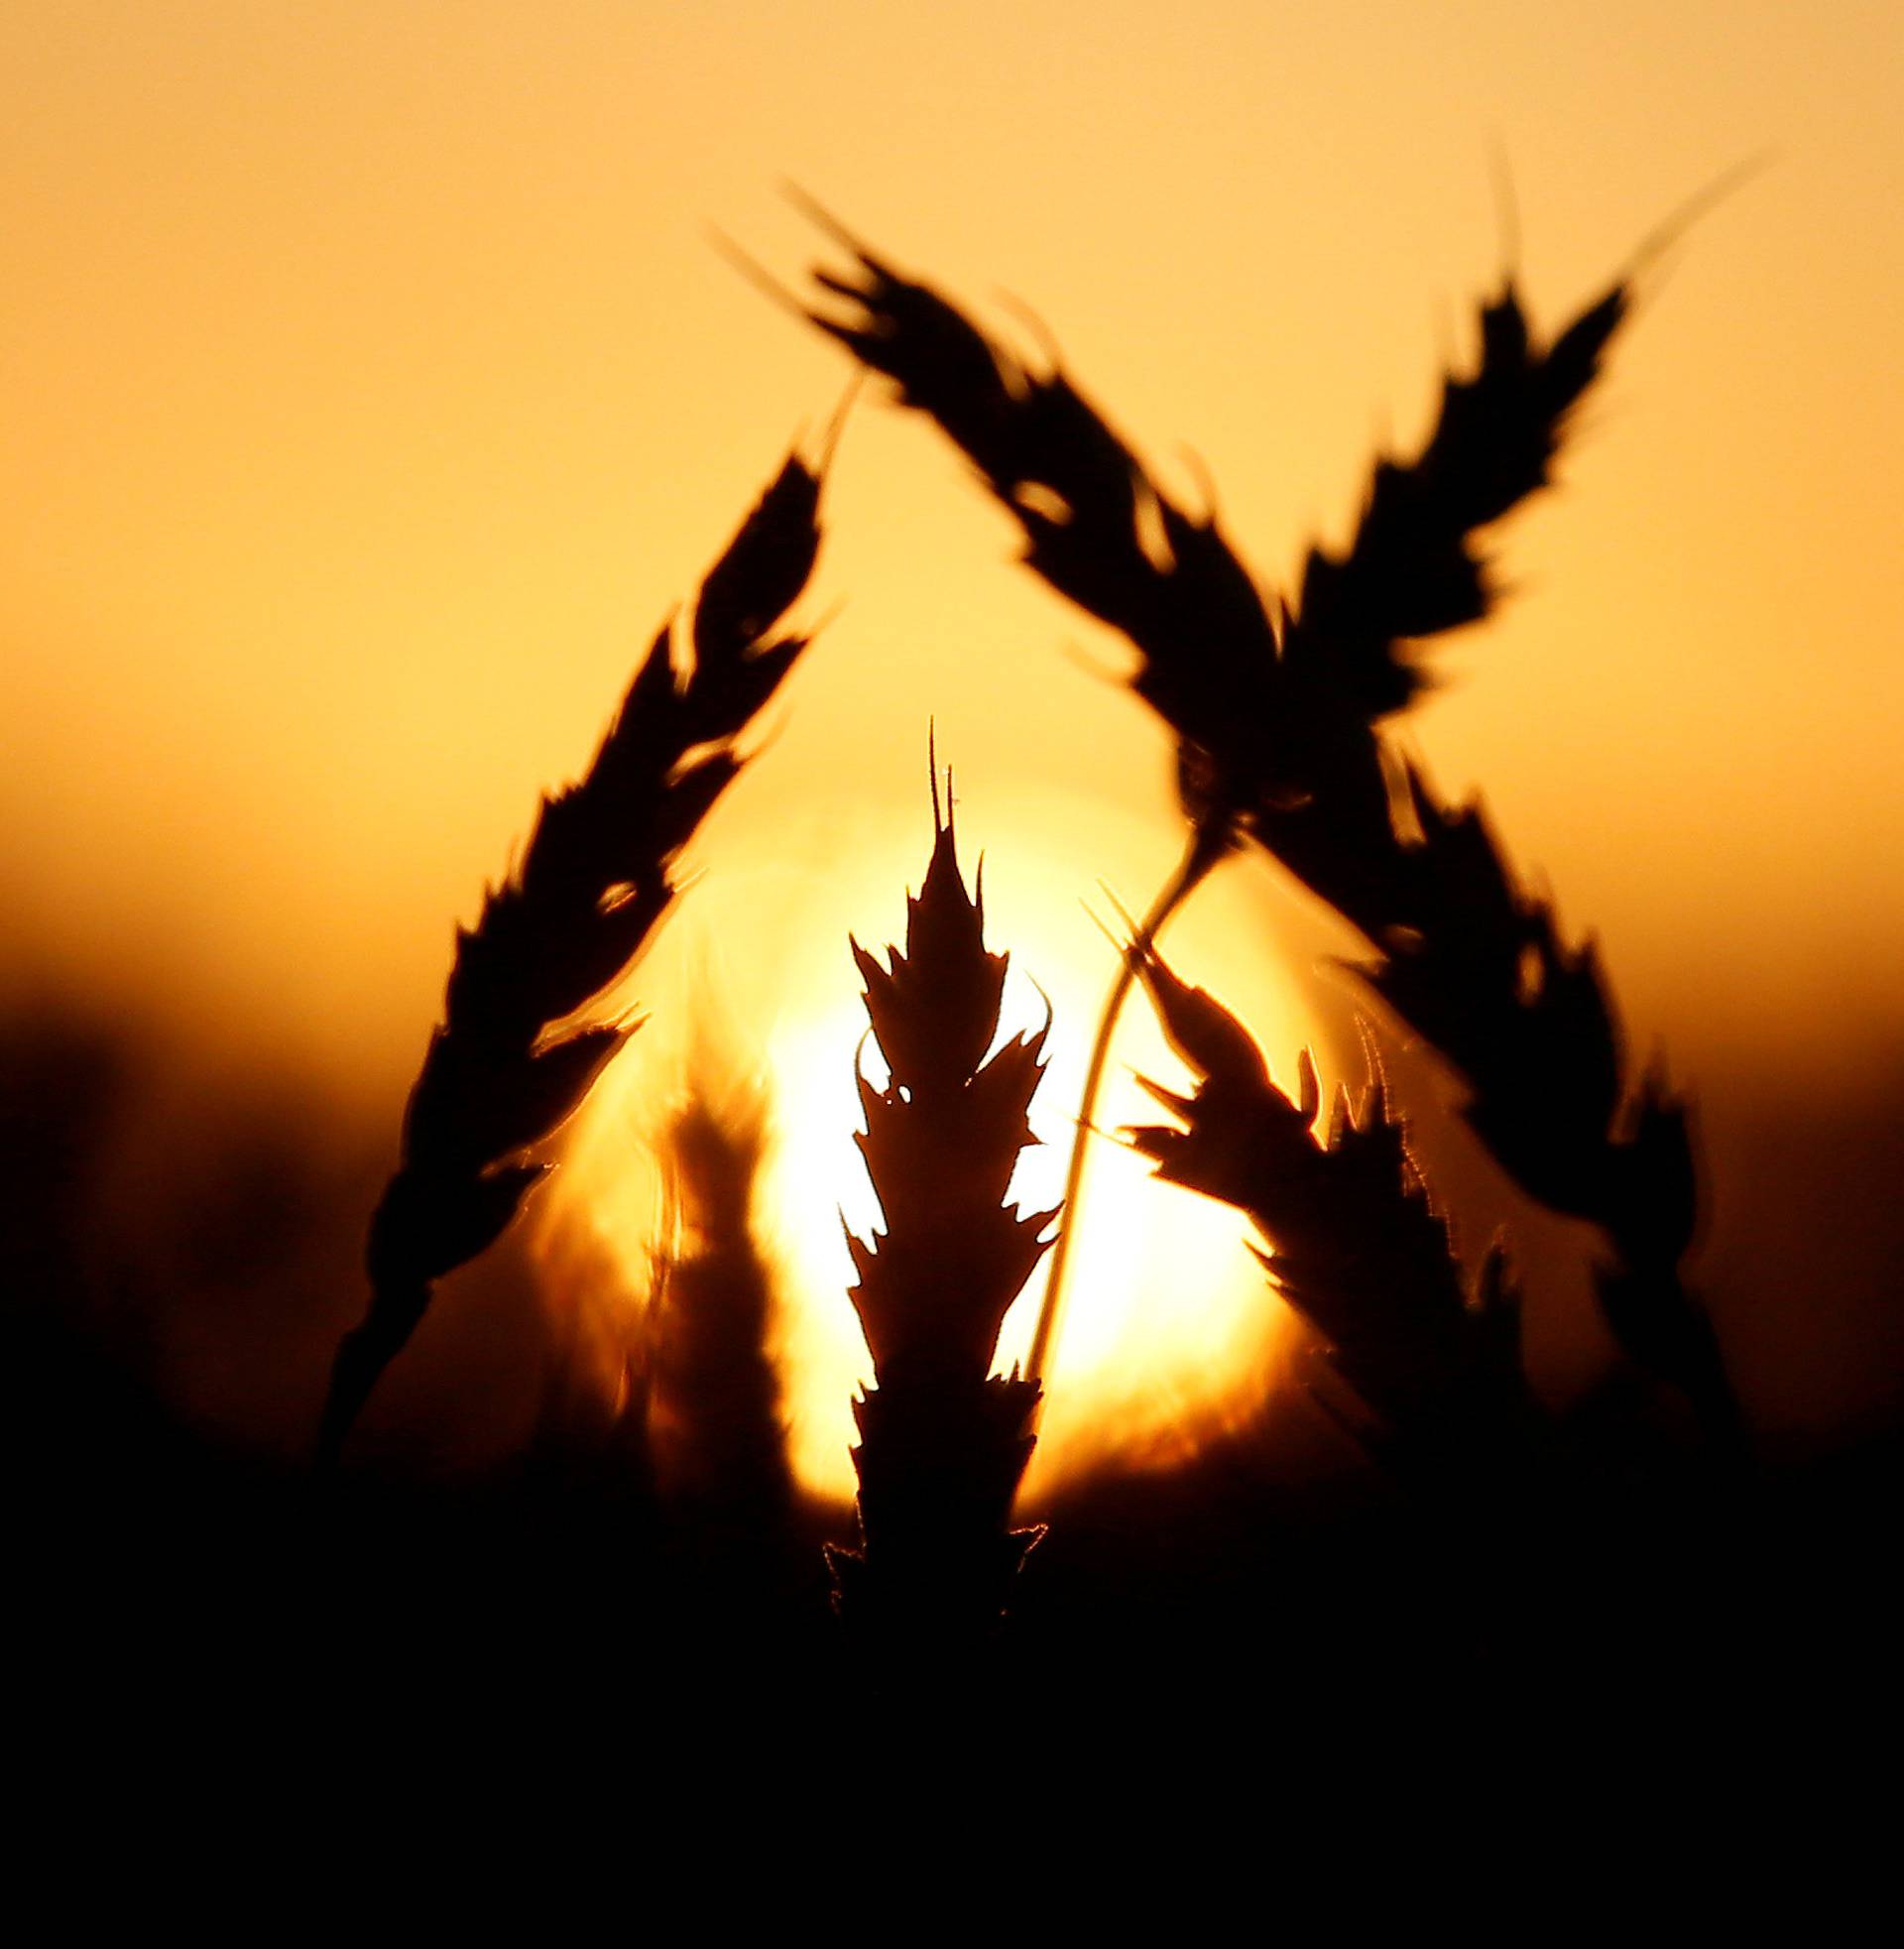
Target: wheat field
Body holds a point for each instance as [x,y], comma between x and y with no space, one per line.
[1116,1113]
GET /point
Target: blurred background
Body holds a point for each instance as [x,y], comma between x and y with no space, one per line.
[374,388]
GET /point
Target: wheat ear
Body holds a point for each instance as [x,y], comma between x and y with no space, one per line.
[501,1074]
[1358,1246]
[943,1441]
[713,1389]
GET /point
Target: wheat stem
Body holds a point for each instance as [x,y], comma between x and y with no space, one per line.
[1208,841]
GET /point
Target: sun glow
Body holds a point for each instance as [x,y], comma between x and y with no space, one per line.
[1169,1328]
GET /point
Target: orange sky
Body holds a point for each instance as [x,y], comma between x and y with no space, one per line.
[372,391]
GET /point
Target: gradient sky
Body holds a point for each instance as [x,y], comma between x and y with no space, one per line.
[373,389]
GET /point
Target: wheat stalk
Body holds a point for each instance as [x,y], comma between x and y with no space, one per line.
[1275,710]
[595,880]
[943,1441]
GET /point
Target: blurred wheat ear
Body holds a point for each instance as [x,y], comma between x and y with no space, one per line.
[943,1441]
[1275,706]
[502,1072]
[713,1391]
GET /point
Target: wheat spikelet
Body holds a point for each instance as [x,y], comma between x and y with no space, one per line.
[943,1441]
[500,1075]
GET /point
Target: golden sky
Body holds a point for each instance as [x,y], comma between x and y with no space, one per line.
[373,389]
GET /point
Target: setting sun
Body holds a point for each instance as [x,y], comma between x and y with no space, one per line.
[1172,1321]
